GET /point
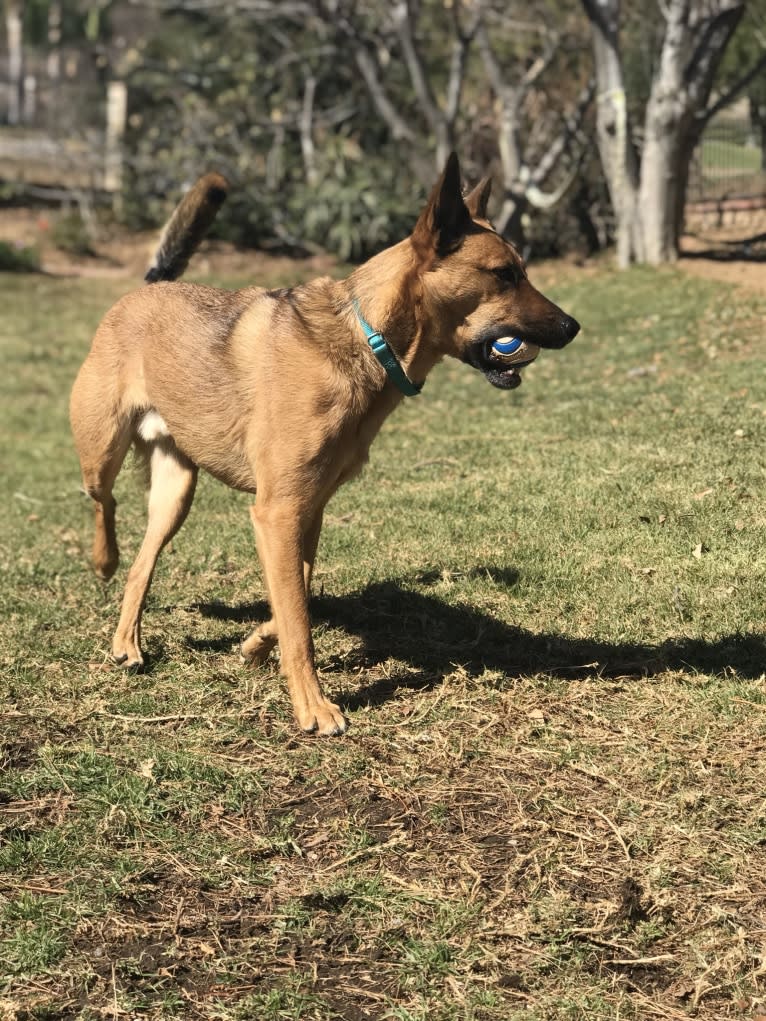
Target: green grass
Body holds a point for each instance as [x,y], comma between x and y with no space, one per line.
[726,156]
[544,613]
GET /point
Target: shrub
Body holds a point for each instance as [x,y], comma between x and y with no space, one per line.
[18,258]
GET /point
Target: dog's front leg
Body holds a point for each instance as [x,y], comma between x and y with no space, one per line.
[279,534]
[258,645]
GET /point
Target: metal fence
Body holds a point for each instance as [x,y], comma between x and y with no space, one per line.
[69,126]
[729,164]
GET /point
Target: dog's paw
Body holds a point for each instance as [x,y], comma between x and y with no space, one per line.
[257,648]
[105,569]
[127,655]
[323,718]
[126,662]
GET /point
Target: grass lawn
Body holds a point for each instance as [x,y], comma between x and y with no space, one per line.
[544,614]
[724,156]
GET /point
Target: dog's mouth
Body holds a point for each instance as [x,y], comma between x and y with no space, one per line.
[500,356]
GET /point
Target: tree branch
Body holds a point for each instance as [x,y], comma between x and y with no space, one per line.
[603,15]
[306,124]
[731,94]
[460,48]
[402,17]
[572,124]
[368,68]
[712,41]
[542,63]
[494,73]
[547,200]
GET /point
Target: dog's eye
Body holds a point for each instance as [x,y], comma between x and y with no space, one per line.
[507,274]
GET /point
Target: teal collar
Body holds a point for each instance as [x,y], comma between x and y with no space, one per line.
[380,348]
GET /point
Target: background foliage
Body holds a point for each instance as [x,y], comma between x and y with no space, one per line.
[332,118]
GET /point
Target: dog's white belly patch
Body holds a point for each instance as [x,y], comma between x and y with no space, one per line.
[153,427]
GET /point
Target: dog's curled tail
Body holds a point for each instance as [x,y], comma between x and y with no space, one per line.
[184,231]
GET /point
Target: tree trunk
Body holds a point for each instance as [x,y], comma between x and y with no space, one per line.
[618,156]
[649,198]
[510,220]
[14,11]
[116,121]
[588,229]
[758,121]
[54,41]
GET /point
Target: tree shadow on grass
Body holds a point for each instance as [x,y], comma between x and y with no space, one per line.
[748,249]
[433,637]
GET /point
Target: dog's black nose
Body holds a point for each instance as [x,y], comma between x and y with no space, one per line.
[570,327]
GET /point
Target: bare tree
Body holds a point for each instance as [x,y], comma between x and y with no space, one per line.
[522,176]
[529,155]
[648,186]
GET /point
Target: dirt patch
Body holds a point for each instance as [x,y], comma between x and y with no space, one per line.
[118,254]
[715,255]
[725,256]
[737,272]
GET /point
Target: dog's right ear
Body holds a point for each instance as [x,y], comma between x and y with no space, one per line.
[477,200]
[443,223]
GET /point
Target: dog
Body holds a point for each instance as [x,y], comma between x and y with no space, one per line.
[280,393]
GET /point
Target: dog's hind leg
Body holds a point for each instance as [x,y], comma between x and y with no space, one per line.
[102,437]
[259,643]
[98,485]
[173,478]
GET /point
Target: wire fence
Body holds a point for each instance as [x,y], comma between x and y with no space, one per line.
[729,164]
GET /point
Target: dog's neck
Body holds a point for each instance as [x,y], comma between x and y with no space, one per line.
[388,293]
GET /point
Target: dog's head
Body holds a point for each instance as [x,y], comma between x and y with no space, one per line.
[475,285]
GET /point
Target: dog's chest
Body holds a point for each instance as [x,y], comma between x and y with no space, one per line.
[359,438]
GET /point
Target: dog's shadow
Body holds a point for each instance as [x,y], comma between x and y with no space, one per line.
[433,637]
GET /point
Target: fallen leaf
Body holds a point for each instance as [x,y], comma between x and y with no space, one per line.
[702,494]
[698,550]
[641,370]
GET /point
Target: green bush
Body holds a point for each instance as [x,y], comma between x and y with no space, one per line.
[17,258]
[71,234]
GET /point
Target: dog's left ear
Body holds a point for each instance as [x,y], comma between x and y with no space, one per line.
[443,223]
[476,200]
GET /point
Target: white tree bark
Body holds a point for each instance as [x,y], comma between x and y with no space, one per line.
[14,14]
[116,121]
[54,41]
[618,155]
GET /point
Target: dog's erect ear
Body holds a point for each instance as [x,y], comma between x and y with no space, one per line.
[445,219]
[476,200]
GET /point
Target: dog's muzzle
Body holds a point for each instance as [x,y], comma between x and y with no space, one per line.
[502,371]
[496,369]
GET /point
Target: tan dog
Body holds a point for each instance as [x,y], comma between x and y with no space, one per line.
[281,393]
